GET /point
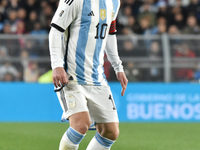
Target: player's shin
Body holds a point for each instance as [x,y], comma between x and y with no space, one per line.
[99,142]
[71,139]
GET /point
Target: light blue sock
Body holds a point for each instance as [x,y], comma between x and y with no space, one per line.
[74,135]
[103,141]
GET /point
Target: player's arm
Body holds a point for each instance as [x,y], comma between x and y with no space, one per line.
[64,15]
[113,57]
[57,57]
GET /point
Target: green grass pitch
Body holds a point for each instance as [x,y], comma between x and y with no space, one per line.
[133,136]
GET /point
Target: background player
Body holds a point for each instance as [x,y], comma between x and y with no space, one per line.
[79,35]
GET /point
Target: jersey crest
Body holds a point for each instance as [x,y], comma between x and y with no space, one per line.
[102,14]
[61,13]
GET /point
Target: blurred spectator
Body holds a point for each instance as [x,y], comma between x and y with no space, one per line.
[148,13]
[197,73]
[152,7]
[11,44]
[33,18]
[192,26]
[12,20]
[20,28]
[155,73]
[184,74]
[1,22]
[24,58]
[3,52]
[31,72]
[46,16]
[184,51]
[6,68]
[30,6]
[173,30]
[144,26]
[178,2]
[21,14]
[38,29]
[194,8]
[6,29]
[161,26]
[135,6]
[178,21]
[44,4]
[132,23]
[31,47]
[178,14]
[19,31]
[155,50]
[127,31]
[123,16]
[127,49]
[131,72]
[3,4]
[8,77]
[53,4]
[162,10]
[13,4]
[24,62]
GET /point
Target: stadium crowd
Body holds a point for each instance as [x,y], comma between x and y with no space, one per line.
[136,17]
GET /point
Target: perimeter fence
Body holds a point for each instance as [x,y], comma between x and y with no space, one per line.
[159,58]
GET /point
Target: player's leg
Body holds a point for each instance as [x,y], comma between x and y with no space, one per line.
[105,136]
[79,124]
[108,130]
[74,107]
[103,111]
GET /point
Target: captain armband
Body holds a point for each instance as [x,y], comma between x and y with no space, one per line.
[113,28]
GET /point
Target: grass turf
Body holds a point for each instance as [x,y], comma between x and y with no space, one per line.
[133,136]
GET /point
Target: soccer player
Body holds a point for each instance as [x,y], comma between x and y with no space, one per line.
[81,32]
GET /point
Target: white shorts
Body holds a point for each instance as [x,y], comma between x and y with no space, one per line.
[97,100]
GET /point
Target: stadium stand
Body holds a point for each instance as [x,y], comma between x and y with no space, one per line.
[157,40]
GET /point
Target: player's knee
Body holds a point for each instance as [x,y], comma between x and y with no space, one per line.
[111,134]
[82,127]
[115,134]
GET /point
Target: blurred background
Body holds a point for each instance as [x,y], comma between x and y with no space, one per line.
[158,42]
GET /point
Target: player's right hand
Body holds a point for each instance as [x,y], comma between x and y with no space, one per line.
[59,77]
[123,80]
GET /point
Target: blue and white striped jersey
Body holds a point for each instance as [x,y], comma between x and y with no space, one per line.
[86,25]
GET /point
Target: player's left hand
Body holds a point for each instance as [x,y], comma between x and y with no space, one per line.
[123,80]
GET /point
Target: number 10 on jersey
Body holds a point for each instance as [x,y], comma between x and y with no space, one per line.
[101,31]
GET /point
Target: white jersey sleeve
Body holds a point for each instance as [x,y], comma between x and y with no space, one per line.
[56,48]
[111,45]
[112,53]
[65,14]
[116,5]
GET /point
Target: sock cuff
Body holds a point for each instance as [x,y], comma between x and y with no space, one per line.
[103,140]
[77,131]
[74,135]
